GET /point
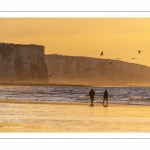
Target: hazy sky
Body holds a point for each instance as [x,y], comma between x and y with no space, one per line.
[116,37]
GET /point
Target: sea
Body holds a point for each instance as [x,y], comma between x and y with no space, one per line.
[78,94]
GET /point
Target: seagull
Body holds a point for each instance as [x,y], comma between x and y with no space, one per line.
[73,58]
[65,72]
[133,58]
[49,76]
[41,59]
[8,60]
[65,56]
[139,51]
[89,69]
[101,53]
[79,65]
[26,63]
[34,67]
[18,66]
[56,53]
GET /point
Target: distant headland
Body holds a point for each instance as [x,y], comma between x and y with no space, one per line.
[28,64]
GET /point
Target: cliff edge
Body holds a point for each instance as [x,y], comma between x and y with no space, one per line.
[94,71]
[22,63]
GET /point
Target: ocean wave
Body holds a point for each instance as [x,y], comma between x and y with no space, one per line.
[123,95]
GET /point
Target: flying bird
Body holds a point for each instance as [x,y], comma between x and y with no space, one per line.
[89,69]
[42,59]
[73,58]
[65,56]
[25,70]
[79,65]
[33,67]
[2,56]
[102,53]
[8,60]
[65,72]
[49,76]
[139,51]
[18,66]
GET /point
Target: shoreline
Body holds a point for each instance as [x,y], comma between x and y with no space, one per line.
[45,102]
[44,116]
[25,116]
[62,84]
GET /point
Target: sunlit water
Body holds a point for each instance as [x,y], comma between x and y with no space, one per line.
[28,117]
[73,118]
[117,95]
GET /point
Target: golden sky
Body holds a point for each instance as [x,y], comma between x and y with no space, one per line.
[116,37]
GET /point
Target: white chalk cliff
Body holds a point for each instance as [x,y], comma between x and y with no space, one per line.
[28,64]
[22,63]
[94,71]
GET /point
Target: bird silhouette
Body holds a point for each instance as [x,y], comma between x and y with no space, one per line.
[8,60]
[89,69]
[34,67]
[79,65]
[41,58]
[65,72]
[139,51]
[49,76]
[102,53]
[26,63]
[18,66]
[73,58]
[2,56]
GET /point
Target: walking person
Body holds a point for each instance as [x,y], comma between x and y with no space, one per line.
[92,93]
[105,96]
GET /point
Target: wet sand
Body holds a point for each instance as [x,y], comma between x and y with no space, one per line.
[44,116]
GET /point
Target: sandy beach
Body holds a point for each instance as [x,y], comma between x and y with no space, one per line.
[37,116]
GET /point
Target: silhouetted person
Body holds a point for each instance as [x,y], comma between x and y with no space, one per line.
[105,96]
[92,93]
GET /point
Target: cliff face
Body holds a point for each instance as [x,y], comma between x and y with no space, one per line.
[92,71]
[22,63]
